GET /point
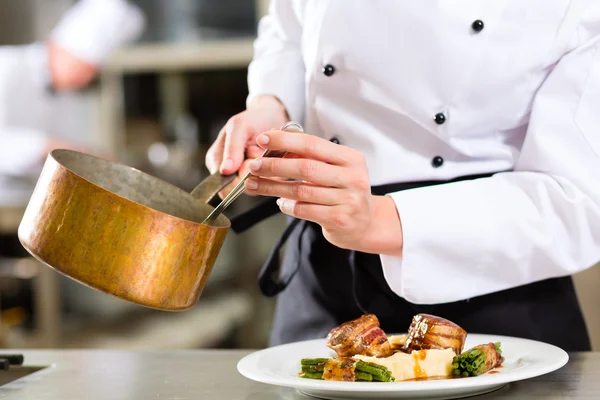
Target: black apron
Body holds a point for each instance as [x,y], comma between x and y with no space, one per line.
[320,286]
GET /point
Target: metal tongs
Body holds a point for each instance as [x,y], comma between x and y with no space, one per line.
[240,187]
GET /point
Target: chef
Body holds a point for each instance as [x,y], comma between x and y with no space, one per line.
[35,79]
[450,166]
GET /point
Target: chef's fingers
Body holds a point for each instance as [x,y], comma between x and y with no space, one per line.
[237,132]
[308,146]
[302,169]
[214,156]
[242,171]
[294,190]
[317,213]
[253,151]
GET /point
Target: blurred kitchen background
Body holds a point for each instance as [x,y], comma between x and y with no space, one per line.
[158,105]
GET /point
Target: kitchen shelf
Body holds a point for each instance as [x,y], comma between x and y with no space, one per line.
[164,57]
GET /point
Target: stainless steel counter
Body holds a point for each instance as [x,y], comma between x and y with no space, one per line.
[212,374]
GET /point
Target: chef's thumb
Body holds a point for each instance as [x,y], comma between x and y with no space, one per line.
[214,156]
[236,138]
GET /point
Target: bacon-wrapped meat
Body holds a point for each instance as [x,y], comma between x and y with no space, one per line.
[339,369]
[397,342]
[360,336]
[431,332]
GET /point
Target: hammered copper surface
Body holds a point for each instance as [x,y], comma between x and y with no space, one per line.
[123,232]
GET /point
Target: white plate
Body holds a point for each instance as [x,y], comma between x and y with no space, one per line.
[280,365]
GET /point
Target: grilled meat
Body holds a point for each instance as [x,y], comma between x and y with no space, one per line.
[360,336]
[339,369]
[397,342]
[493,355]
[431,332]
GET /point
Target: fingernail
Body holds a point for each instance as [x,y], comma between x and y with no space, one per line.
[254,165]
[262,139]
[252,184]
[285,205]
[226,164]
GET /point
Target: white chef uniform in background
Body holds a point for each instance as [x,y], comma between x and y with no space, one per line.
[511,85]
[29,113]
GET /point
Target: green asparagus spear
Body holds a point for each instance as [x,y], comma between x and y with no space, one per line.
[363,376]
[360,376]
[313,361]
[379,372]
[312,368]
[477,360]
[311,375]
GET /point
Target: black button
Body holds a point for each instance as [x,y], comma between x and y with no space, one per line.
[439,118]
[328,70]
[334,140]
[477,25]
[437,161]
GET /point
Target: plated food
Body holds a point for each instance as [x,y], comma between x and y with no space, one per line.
[432,349]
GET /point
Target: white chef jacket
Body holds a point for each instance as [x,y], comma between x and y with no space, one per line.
[91,30]
[425,95]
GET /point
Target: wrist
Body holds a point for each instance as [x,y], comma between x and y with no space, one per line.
[385,232]
[269,102]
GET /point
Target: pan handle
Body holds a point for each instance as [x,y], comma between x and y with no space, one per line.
[211,186]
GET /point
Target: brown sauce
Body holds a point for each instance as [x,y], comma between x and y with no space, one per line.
[493,372]
[432,378]
[417,370]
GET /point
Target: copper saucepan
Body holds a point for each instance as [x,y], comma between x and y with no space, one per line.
[123,232]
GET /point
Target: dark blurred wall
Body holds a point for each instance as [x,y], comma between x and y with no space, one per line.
[16,22]
[26,21]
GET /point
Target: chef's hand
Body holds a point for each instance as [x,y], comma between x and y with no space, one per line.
[67,71]
[332,189]
[236,143]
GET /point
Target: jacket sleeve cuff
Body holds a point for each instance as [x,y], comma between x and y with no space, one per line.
[440,230]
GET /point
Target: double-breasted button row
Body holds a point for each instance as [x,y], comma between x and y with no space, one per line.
[477,26]
[440,117]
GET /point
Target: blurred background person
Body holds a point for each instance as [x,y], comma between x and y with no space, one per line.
[32,78]
[43,106]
